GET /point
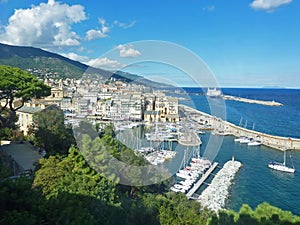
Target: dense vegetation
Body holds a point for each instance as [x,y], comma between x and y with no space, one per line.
[51,132]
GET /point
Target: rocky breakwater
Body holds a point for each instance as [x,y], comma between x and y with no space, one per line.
[215,195]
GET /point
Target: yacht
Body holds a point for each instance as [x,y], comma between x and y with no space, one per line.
[254,143]
[281,166]
[239,139]
[245,140]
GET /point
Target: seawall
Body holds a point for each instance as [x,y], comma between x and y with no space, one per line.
[226,128]
[251,101]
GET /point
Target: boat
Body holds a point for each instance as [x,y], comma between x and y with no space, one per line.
[213,92]
[239,139]
[245,140]
[254,143]
[281,166]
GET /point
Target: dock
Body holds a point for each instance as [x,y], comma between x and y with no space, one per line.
[189,138]
[202,179]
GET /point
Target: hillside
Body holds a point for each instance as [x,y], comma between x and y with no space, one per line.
[40,63]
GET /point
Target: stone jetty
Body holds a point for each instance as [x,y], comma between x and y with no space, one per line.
[222,127]
[251,101]
[215,195]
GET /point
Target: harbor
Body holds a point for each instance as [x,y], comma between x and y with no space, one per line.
[191,180]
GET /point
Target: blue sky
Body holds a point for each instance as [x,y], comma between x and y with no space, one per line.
[252,43]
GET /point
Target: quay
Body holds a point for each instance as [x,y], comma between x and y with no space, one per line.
[202,179]
[222,127]
[189,138]
[251,101]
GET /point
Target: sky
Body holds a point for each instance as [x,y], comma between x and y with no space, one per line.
[254,43]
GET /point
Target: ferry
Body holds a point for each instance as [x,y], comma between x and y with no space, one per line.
[213,92]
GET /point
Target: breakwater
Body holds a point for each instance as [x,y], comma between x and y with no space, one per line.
[222,127]
[251,101]
[215,195]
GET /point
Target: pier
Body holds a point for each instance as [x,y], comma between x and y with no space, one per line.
[222,127]
[189,138]
[202,179]
[251,101]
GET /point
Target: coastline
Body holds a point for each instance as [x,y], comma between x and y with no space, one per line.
[227,128]
[251,101]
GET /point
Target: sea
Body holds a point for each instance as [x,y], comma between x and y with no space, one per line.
[255,183]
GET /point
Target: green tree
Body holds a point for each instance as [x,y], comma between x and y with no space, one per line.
[51,132]
[72,175]
[19,204]
[264,214]
[177,210]
[17,84]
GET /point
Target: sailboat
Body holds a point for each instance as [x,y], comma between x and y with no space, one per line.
[281,166]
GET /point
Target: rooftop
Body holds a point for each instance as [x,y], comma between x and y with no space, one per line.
[28,109]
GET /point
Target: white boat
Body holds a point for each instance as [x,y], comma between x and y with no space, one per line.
[254,143]
[213,92]
[239,139]
[245,140]
[281,166]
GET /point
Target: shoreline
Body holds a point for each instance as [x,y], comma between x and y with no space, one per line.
[251,101]
[227,128]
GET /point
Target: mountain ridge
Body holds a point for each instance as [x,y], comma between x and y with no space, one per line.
[41,62]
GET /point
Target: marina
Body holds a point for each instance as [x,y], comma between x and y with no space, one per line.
[191,177]
[201,180]
[255,151]
[159,157]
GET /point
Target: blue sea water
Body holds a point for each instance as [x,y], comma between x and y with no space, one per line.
[255,182]
[283,120]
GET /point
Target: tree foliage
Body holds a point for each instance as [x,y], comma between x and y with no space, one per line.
[72,175]
[264,214]
[51,132]
[17,84]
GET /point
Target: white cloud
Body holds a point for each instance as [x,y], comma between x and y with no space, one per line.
[75,57]
[209,8]
[94,34]
[128,51]
[268,5]
[101,33]
[105,63]
[46,24]
[124,25]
